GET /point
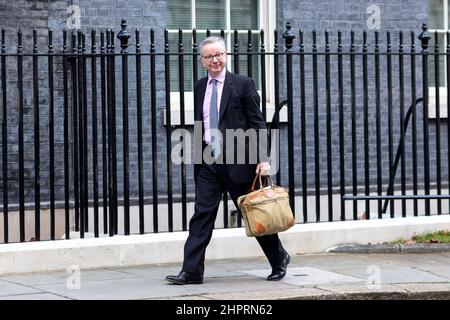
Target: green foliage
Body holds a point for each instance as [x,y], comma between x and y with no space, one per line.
[442,236]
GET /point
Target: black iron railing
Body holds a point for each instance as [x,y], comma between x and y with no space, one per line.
[102,126]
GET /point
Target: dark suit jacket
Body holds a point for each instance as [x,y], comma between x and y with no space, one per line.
[239,109]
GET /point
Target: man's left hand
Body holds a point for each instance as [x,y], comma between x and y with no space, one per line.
[263,168]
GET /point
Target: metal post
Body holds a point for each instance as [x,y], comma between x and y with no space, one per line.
[424,37]
[289,37]
[123,37]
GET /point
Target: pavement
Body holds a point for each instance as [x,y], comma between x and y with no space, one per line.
[327,276]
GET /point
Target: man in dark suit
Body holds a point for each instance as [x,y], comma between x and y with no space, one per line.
[224,101]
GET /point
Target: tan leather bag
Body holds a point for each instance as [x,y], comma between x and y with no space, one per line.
[266,211]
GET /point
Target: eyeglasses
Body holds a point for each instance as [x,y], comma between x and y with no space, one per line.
[218,56]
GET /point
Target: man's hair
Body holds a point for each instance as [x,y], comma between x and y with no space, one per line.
[212,39]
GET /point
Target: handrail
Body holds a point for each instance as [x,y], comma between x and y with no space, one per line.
[397,156]
[275,124]
[276,114]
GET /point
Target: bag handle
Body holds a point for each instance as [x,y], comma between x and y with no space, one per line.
[258,175]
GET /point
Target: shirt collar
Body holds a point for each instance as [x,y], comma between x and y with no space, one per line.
[220,77]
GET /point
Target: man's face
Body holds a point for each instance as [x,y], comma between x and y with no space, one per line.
[218,57]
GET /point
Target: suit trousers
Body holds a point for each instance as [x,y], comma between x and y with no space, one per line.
[212,181]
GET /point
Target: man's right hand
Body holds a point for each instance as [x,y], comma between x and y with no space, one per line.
[263,168]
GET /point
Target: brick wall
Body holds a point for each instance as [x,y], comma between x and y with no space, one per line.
[25,15]
[144,14]
[394,16]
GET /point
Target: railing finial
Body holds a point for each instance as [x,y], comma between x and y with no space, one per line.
[424,37]
[123,36]
[288,36]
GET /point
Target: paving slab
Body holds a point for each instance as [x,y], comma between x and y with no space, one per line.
[440,272]
[62,277]
[307,276]
[331,260]
[9,289]
[392,274]
[240,284]
[122,289]
[239,264]
[445,254]
[37,296]
[419,259]
[159,272]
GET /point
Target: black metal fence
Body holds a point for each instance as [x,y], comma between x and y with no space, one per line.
[355,113]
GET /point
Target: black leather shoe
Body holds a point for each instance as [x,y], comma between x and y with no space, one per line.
[185,278]
[279,272]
